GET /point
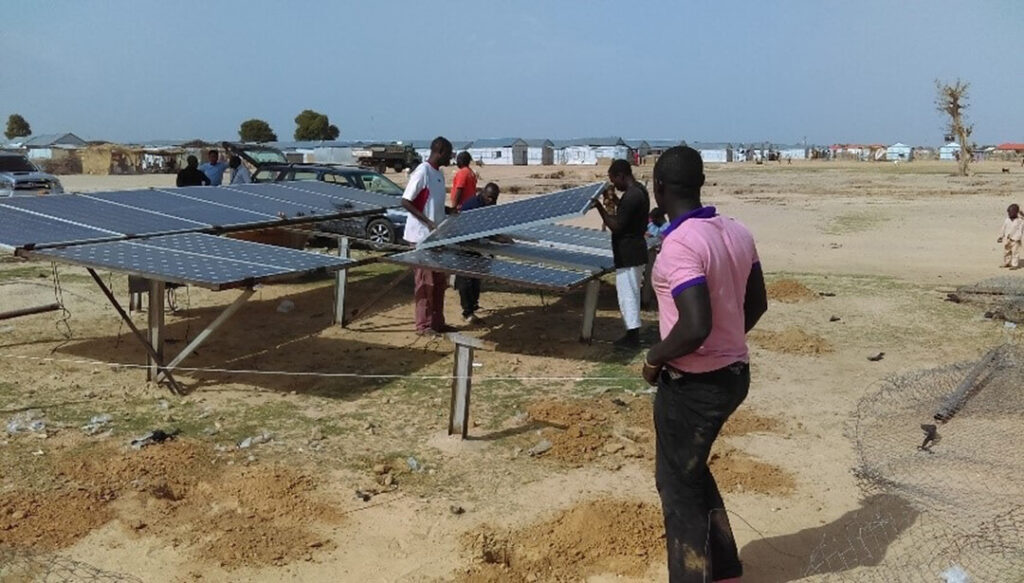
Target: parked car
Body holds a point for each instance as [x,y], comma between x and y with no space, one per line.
[271,166]
[20,177]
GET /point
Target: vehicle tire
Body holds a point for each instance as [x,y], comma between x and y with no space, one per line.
[380,231]
[382,168]
[398,167]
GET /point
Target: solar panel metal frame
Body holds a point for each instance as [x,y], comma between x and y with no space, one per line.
[458,262]
[191,252]
[494,220]
[594,263]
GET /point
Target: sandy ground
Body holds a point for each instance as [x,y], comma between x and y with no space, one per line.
[330,494]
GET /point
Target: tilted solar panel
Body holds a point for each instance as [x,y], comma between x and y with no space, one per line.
[567,235]
[100,215]
[344,192]
[186,208]
[569,259]
[492,220]
[297,205]
[194,258]
[478,266]
[20,229]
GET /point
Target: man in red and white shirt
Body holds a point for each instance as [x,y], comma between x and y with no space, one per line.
[424,200]
[710,290]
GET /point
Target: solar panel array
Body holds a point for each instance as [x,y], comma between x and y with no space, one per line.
[33,222]
[478,266]
[194,258]
[492,220]
[567,235]
[567,258]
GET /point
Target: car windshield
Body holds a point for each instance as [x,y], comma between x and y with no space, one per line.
[16,164]
[378,183]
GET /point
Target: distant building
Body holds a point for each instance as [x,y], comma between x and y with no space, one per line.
[793,151]
[640,148]
[1008,151]
[540,152]
[714,152]
[48,146]
[499,151]
[316,151]
[899,151]
[950,151]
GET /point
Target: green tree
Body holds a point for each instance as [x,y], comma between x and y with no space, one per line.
[952,101]
[256,130]
[312,125]
[17,127]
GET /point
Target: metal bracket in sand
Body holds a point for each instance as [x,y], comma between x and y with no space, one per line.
[959,397]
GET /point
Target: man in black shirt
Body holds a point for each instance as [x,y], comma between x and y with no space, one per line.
[629,247]
[191,175]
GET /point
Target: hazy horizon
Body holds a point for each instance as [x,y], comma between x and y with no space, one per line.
[740,72]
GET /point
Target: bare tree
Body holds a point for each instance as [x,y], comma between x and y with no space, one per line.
[952,101]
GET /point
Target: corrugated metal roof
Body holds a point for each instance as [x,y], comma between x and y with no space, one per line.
[1010,146]
[606,141]
[49,140]
[538,142]
[498,143]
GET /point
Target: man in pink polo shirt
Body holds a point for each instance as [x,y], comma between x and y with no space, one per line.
[710,291]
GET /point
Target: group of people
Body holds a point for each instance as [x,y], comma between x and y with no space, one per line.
[211,172]
[710,292]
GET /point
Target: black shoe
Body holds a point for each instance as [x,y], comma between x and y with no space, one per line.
[630,340]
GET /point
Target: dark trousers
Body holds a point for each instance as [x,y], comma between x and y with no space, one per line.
[689,411]
[469,294]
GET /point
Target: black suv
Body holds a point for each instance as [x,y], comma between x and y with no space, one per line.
[271,166]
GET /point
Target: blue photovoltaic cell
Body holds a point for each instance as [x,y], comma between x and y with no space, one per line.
[288,191]
[558,257]
[277,207]
[94,213]
[502,218]
[567,235]
[186,208]
[345,192]
[19,229]
[195,258]
[472,265]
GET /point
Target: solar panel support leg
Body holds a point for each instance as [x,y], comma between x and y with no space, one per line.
[340,282]
[156,328]
[590,310]
[458,422]
[175,387]
[202,336]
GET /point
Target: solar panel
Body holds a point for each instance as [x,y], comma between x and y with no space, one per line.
[569,259]
[478,266]
[20,229]
[345,192]
[194,258]
[294,204]
[100,215]
[516,215]
[186,208]
[567,235]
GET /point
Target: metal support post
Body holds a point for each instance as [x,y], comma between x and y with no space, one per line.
[590,310]
[340,281]
[462,383]
[217,322]
[458,422]
[156,328]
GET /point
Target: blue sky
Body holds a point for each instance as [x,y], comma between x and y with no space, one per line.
[830,71]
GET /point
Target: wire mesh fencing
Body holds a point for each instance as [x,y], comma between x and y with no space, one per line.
[20,565]
[941,466]
[1001,297]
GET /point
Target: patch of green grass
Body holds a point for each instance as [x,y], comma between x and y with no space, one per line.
[854,222]
[617,377]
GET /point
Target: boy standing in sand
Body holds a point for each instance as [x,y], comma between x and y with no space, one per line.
[710,292]
[1011,235]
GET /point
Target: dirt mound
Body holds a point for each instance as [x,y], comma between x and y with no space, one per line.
[737,472]
[179,491]
[790,291]
[50,520]
[745,421]
[579,429]
[791,341]
[602,536]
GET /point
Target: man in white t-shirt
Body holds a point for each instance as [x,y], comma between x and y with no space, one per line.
[424,200]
